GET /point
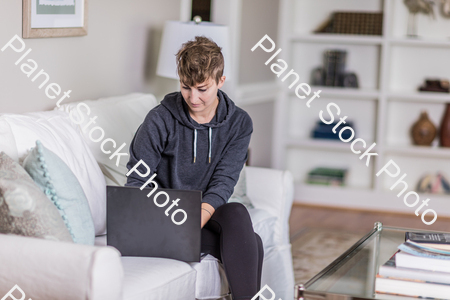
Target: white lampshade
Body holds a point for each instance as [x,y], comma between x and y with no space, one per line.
[176,33]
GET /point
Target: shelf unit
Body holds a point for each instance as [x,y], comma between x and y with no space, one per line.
[390,68]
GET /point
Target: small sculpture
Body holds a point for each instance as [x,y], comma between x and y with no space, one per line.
[445,8]
[423,131]
[434,184]
[415,7]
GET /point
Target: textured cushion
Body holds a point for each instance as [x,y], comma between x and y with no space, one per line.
[119,117]
[24,208]
[150,278]
[240,191]
[57,132]
[61,186]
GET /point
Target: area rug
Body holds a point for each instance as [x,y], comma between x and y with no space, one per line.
[313,249]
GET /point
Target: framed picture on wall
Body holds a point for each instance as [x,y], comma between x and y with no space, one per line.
[54,18]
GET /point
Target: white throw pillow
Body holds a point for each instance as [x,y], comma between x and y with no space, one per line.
[119,117]
[240,191]
[57,132]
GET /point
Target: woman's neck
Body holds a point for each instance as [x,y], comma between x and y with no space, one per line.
[205,116]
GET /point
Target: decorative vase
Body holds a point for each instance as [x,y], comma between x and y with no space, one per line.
[412,25]
[423,131]
[444,135]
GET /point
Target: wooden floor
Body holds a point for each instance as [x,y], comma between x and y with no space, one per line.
[303,216]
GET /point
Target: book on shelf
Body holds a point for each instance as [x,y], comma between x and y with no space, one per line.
[334,67]
[325,131]
[327,176]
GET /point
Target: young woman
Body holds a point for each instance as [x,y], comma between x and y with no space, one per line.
[198,139]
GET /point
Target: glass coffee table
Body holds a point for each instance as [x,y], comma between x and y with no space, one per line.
[352,275]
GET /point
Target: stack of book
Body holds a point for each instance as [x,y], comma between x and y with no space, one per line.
[327,176]
[421,268]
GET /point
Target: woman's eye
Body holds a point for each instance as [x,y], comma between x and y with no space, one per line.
[186,88]
[202,90]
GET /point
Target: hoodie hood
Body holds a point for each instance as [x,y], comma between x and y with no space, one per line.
[176,105]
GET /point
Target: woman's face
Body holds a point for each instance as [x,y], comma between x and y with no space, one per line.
[201,98]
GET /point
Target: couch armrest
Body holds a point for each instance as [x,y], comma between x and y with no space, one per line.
[46,269]
[272,190]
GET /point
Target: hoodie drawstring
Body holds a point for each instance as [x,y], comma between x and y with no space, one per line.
[195,144]
[210,138]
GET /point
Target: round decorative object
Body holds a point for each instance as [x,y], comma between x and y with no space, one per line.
[197,19]
[444,135]
[434,184]
[423,131]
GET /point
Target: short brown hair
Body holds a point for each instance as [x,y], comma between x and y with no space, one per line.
[199,60]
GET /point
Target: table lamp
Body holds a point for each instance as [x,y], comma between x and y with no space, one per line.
[176,33]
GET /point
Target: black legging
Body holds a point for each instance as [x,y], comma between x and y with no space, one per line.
[229,237]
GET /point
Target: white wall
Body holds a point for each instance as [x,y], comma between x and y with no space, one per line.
[118,55]
[259,17]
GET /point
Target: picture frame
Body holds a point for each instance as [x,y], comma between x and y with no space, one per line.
[54,18]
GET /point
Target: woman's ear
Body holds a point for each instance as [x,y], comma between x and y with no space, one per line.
[221,82]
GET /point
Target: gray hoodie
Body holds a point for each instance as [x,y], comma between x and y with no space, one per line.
[192,156]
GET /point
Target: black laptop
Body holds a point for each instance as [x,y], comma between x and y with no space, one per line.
[155,226]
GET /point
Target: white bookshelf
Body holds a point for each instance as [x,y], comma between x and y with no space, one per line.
[390,68]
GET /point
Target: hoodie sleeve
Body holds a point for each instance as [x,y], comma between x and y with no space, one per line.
[226,173]
[147,144]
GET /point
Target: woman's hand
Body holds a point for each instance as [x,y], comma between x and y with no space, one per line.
[207,212]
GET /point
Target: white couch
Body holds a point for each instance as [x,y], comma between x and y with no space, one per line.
[46,269]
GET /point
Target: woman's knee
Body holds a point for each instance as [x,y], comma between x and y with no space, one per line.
[233,210]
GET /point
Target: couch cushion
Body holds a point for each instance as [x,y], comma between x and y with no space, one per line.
[211,282]
[149,278]
[240,191]
[263,224]
[7,142]
[61,186]
[60,135]
[24,208]
[119,117]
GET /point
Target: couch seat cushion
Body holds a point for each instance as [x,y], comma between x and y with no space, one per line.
[211,280]
[157,278]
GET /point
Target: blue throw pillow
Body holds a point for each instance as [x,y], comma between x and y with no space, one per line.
[62,187]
